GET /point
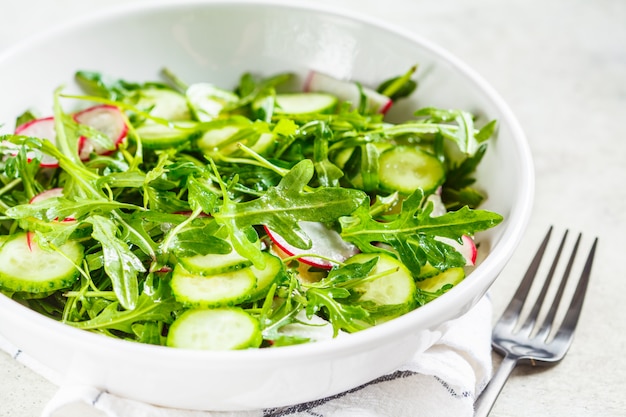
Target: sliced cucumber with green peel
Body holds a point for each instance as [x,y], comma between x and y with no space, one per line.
[215,329]
[164,103]
[305,103]
[224,137]
[25,267]
[273,271]
[207,100]
[219,140]
[395,286]
[223,289]
[170,105]
[451,276]
[341,157]
[427,271]
[214,263]
[265,144]
[406,168]
[155,135]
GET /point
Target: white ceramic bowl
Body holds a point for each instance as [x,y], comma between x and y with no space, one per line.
[217,41]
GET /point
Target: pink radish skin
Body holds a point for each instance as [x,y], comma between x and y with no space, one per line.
[346,91]
[29,240]
[467,248]
[107,119]
[325,242]
[44,129]
[51,193]
[44,195]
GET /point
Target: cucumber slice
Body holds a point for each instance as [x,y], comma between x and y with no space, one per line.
[427,271]
[341,157]
[214,263]
[265,144]
[155,135]
[164,103]
[207,101]
[25,267]
[273,271]
[215,329]
[218,140]
[224,136]
[395,288]
[348,91]
[223,289]
[435,283]
[305,103]
[405,169]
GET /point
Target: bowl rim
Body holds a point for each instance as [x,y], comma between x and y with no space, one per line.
[515,226]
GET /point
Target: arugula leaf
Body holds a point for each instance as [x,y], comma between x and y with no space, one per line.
[486,131]
[24,118]
[201,196]
[283,206]
[369,167]
[62,208]
[463,136]
[96,84]
[332,296]
[147,309]
[457,191]
[328,174]
[399,87]
[341,315]
[120,263]
[21,166]
[411,232]
[251,89]
[199,239]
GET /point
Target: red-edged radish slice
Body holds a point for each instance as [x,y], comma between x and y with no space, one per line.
[43,129]
[51,193]
[107,119]
[325,242]
[29,240]
[44,195]
[467,248]
[346,91]
[439,209]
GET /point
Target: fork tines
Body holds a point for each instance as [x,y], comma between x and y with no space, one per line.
[513,313]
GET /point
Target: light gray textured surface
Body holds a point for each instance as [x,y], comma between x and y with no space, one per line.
[561,65]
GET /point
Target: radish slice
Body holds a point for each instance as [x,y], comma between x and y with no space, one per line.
[43,129]
[325,242]
[44,195]
[107,119]
[347,91]
[439,209]
[467,248]
[29,240]
[51,193]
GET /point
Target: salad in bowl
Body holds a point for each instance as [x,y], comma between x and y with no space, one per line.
[194,216]
[202,210]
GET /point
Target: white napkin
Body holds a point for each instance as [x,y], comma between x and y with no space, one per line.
[442,381]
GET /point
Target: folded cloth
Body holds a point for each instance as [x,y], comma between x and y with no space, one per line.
[442,381]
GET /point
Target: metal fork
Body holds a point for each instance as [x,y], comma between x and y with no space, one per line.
[536,343]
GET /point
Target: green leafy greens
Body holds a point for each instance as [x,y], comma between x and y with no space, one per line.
[214,179]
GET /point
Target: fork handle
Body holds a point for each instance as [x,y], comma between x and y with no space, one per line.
[486,400]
